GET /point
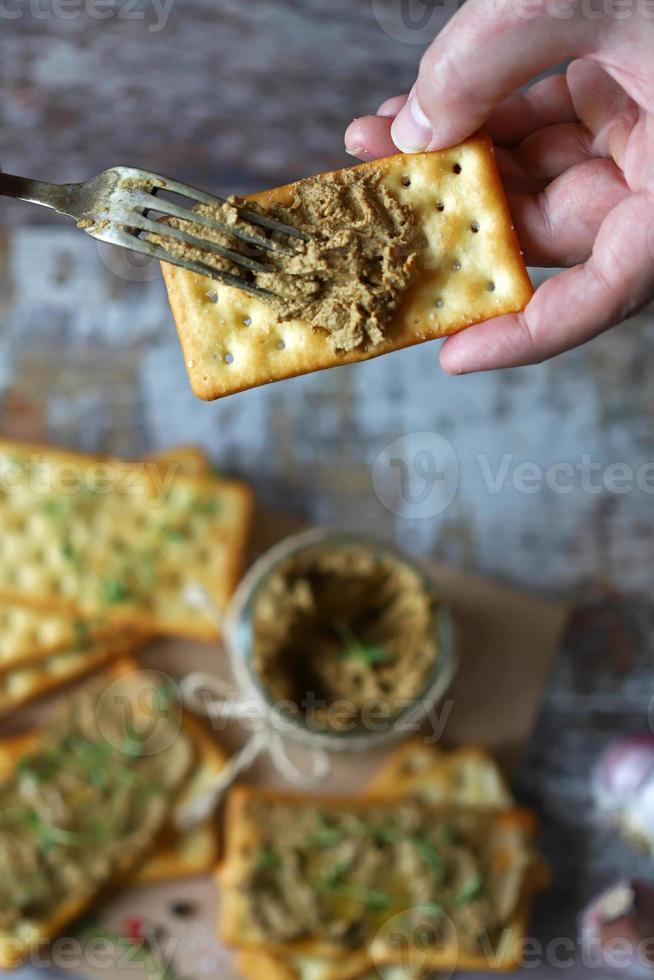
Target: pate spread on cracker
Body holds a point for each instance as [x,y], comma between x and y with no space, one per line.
[328,877]
[461,265]
[348,278]
[92,798]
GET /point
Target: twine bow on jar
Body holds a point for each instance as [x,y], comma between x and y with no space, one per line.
[211,696]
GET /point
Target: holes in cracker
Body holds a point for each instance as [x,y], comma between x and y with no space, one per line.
[406,180]
[440,302]
[490,286]
[456,266]
[212,296]
[440,206]
[247,320]
[474,227]
[228,358]
[281,345]
[456,169]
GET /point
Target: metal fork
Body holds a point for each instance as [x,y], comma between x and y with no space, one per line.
[116,206]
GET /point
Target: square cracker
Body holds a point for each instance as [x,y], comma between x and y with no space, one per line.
[94,537]
[30,636]
[20,685]
[471,269]
[175,853]
[467,776]
[509,835]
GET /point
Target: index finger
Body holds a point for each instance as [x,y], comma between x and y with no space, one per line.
[486,52]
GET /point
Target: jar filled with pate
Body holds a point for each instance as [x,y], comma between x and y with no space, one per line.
[343,637]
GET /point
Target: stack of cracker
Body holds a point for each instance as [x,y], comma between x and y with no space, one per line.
[467,779]
[172,853]
[99,554]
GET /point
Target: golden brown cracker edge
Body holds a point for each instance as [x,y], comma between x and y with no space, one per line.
[31,681]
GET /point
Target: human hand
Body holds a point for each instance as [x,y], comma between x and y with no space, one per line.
[576,154]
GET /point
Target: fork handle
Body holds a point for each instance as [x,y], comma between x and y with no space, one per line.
[55,196]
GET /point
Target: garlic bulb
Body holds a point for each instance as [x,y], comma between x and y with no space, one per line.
[624,787]
[617,931]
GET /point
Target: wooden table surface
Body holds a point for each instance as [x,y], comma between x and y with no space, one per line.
[235,97]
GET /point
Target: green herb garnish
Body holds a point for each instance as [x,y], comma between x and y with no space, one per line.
[449,834]
[171,533]
[327,835]
[47,834]
[166,697]
[334,876]
[206,507]
[268,860]
[469,890]
[374,898]
[430,856]
[113,591]
[355,648]
[434,909]
[81,631]
[385,835]
[55,508]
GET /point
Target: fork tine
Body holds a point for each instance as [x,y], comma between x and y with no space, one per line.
[185,190]
[118,236]
[164,230]
[265,222]
[150,202]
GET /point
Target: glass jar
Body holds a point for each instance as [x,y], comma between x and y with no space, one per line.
[238,636]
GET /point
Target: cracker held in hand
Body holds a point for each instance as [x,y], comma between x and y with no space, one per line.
[131,543]
[452,259]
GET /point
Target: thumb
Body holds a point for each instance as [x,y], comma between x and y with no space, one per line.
[486,51]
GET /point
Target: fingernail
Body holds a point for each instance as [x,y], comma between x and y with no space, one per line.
[358,151]
[411,130]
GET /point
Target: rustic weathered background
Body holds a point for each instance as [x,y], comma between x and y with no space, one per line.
[236,96]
